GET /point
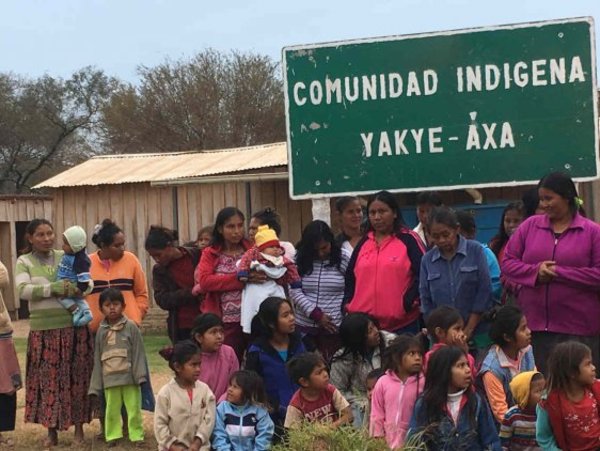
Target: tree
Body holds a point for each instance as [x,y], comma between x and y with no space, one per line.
[47,124]
[211,101]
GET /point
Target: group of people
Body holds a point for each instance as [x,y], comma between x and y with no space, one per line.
[420,335]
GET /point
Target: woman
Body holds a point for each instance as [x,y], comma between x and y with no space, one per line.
[322,266]
[113,266]
[216,275]
[10,373]
[455,272]
[512,217]
[268,216]
[59,356]
[555,258]
[173,280]
[382,278]
[351,217]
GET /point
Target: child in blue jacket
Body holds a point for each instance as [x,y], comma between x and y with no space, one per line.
[243,422]
[450,415]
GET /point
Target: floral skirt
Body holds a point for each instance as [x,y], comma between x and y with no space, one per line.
[59,368]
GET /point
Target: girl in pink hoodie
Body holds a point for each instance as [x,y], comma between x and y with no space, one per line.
[397,390]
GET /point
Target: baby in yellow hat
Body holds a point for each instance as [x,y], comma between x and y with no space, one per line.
[265,256]
[519,425]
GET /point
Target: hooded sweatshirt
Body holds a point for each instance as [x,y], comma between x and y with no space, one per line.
[392,407]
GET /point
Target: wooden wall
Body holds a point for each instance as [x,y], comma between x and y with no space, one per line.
[134,207]
[15,209]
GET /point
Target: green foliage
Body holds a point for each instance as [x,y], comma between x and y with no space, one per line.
[321,437]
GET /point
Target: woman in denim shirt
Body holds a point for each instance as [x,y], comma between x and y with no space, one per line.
[455,272]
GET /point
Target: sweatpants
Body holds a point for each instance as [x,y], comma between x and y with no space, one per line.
[131,397]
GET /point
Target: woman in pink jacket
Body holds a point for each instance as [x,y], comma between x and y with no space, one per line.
[555,257]
[382,278]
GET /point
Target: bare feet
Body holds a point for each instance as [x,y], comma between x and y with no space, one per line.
[78,439]
[51,440]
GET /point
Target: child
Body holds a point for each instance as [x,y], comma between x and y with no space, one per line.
[316,401]
[278,343]
[445,327]
[362,347]
[119,368]
[512,217]
[455,272]
[370,383]
[219,361]
[568,418]
[426,201]
[185,407]
[517,432]
[450,415]
[75,267]
[397,390]
[204,237]
[510,355]
[243,422]
[468,229]
[266,256]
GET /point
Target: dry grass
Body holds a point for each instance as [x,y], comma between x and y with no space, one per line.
[29,437]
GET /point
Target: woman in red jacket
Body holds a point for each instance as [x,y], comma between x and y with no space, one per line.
[216,275]
[382,278]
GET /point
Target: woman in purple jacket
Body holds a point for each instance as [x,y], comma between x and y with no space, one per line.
[555,257]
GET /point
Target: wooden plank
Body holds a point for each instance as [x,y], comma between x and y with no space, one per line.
[127,222]
[91,212]
[207,215]
[183,194]
[281,206]
[268,195]
[218,199]
[255,197]
[115,193]
[47,210]
[153,212]
[231,194]
[166,207]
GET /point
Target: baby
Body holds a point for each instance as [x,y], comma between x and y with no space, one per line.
[75,267]
[266,256]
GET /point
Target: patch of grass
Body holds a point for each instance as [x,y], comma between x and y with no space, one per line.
[154,343]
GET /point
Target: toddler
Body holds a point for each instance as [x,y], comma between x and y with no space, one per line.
[243,422]
[316,400]
[517,432]
[185,407]
[119,368]
[266,256]
[75,267]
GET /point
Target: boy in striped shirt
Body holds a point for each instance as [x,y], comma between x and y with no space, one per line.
[517,432]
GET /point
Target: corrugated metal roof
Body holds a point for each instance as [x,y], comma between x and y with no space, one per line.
[136,168]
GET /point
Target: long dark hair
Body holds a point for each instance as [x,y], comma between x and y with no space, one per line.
[390,200]
[253,389]
[561,184]
[104,233]
[505,321]
[268,216]
[222,217]
[30,231]
[160,237]
[265,322]
[501,238]
[397,348]
[315,232]
[353,336]
[180,353]
[563,363]
[437,381]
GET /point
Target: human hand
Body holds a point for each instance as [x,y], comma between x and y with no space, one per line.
[256,277]
[326,323]
[178,446]
[546,272]
[71,290]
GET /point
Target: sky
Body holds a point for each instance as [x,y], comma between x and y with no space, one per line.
[57,37]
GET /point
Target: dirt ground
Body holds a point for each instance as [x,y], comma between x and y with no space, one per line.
[29,437]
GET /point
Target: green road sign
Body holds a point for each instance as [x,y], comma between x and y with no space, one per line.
[471,108]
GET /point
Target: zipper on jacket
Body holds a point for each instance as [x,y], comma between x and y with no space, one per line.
[548,285]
